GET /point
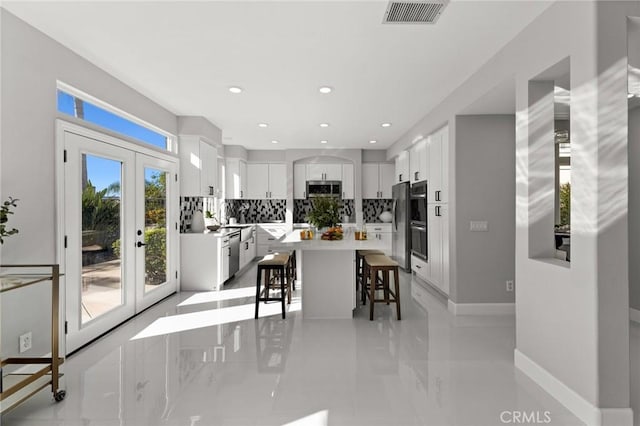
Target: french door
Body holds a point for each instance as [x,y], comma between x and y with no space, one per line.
[119,220]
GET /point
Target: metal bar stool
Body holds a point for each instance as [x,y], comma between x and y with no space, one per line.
[360,254]
[374,264]
[278,263]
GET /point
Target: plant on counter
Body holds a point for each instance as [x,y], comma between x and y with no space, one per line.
[5,211]
[325,212]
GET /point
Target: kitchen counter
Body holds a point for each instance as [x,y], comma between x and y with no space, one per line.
[327,271]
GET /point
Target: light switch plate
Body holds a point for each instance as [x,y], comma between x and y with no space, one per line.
[478,226]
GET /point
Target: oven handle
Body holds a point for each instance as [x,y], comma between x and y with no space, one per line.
[419,227]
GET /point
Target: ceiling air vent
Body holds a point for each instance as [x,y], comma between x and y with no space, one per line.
[414,12]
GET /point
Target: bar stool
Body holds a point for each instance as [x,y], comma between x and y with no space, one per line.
[360,254]
[293,273]
[374,264]
[278,263]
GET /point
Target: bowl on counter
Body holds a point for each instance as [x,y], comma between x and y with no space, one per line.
[213,228]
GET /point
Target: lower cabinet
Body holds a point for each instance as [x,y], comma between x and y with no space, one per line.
[435,270]
[267,235]
[382,232]
[201,262]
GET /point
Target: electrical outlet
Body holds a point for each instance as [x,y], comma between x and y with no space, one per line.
[25,342]
[510,285]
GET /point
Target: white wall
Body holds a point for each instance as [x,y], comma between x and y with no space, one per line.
[572,322]
[200,126]
[31,63]
[485,191]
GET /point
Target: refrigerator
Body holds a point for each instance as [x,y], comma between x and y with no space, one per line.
[400,226]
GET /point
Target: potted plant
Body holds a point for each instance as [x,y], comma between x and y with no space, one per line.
[325,213]
[5,211]
[210,221]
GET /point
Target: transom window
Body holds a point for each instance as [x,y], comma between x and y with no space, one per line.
[110,119]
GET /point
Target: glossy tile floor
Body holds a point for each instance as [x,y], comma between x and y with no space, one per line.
[201,359]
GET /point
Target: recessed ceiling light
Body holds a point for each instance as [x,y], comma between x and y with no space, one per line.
[386,124]
[325,89]
[323,141]
[324,124]
[262,125]
[373,141]
[274,141]
[235,89]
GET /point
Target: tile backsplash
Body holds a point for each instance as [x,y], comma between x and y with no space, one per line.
[302,207]
[188,205]
[372,208]
[254,211]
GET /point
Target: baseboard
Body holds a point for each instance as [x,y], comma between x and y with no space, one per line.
[481,308]
[634,315]
[580,407]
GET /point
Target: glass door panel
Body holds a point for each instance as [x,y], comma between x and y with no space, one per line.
[102,224]
[156,230]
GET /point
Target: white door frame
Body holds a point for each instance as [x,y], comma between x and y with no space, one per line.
[63,127]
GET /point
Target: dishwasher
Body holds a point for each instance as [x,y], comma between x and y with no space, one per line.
[234,253]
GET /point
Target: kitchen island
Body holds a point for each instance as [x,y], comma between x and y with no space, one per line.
[327,271]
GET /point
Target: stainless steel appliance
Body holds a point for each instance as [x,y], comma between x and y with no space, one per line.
[234,253]
[418,217]
[324,188]
[400,226]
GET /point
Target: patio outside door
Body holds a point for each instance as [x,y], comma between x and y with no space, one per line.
[120,234]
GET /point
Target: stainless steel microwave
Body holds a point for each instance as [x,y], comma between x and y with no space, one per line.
[324,188]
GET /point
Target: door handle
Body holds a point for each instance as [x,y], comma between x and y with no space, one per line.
[400,177]
[266,194]
[140,244]
[304,194]
[241,193]
[415,176]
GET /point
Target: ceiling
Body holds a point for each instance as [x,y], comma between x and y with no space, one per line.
[185,56]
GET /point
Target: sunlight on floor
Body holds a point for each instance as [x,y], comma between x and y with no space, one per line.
[320,418]
[208,318]
[216,296]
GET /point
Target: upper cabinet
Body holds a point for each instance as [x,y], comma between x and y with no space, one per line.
[438,186]
[319,171]
[418,161]
[348,186]
[377,180]
[198,167]
[402,168]
[236,179]
[299,181]
[266,181]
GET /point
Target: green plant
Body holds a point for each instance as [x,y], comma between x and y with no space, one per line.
[155,255]
[209,215]
[325,212]
[5,211]
[100,216]
[565,204]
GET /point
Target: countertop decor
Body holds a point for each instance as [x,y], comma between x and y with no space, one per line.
[325,212]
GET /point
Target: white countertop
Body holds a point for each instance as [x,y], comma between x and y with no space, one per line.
[292,240]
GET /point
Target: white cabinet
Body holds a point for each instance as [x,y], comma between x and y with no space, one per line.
[267,235]
[438,220]
[225,257]
[209,172]
[277,181]
[377,180]
[320,171]
[385,179]
[348,186]
[198,167]
[236,179]
[418,161]
[420,267]
[247,247]
[402,167]
[299,181]
[438,166]
[266,181]
[257,181]
[370,187]
[201,265]
[381,232]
